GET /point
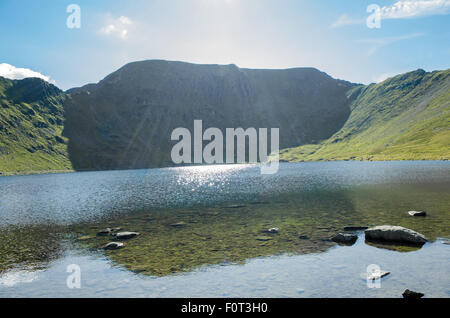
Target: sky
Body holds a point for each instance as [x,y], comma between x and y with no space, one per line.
[331,35]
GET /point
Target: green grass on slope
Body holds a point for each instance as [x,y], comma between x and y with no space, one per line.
[31,124]
[406,117]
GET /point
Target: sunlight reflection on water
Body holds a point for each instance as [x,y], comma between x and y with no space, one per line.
[74,197]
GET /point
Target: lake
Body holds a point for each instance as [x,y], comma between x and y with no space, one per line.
[203,231]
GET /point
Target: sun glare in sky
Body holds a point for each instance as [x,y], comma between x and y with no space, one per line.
[332,36]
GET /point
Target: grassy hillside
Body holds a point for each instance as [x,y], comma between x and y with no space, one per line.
[406,117]
[31,123]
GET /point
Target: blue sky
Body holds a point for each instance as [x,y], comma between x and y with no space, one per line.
[330,35]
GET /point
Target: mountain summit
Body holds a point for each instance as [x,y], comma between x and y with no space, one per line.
[125,121]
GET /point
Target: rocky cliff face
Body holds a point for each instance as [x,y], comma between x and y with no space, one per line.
[126,120]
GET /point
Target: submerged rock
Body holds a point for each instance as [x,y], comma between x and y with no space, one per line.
[85,237]
[343,238]
[398,234]
[125,235]
[264,238]
[113,246]
[235,206]
[394,246]
[178,224]
[273,230]
[355,228]
[417,213]
[104,232]
[412,294]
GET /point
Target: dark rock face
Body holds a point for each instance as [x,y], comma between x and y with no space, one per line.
[412,294]
[126,120]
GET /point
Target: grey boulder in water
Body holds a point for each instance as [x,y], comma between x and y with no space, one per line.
[417,213]
[273,230]
[125,235]
[397,234]
[113,246]
[412,294]
[344,238]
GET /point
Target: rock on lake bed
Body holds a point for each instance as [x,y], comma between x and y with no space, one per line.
[397,234]
[113,246]
[125,235]
[417,213]
[344,238]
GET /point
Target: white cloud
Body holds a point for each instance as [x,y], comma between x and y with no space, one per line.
[415,8]
[118,27]
[344,20]
[12,72]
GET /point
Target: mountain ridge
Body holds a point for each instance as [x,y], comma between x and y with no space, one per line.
[91,85]
[138,106]
[124,121]
[406,117]
[31,124]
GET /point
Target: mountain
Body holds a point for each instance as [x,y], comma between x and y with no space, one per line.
[126,120]
[404,117]
[31,125]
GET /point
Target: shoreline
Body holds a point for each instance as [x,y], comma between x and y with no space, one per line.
[33,172]
[28,173]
